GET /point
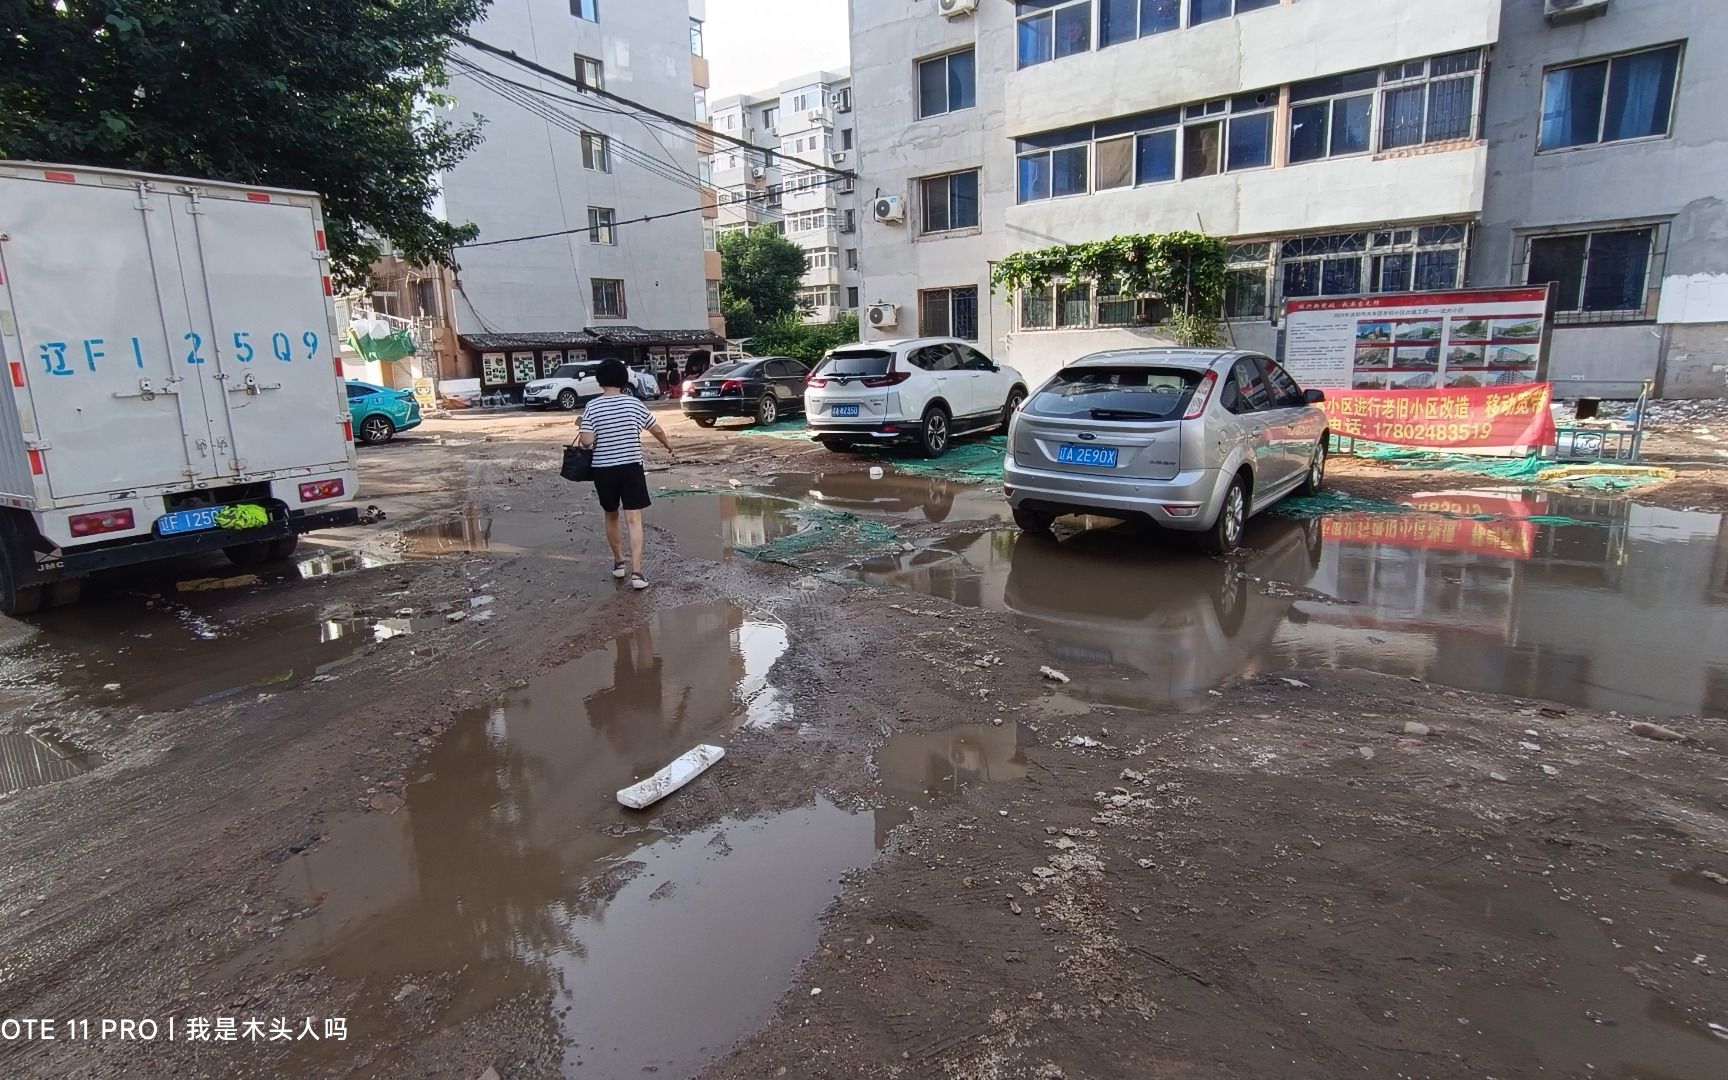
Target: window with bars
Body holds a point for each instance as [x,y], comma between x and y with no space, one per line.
[608,298]
[713,297]
[1057,307]
[1609,100]
[1431,100]
[949,312]
[948,202]
[1422,258]
[1247,286]
[1600,275]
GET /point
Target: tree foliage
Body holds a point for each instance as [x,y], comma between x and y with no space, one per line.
[1188,270]
[759,275]
[788,335]
[332,96]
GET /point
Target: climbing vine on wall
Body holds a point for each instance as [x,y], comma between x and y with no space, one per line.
[1188,270]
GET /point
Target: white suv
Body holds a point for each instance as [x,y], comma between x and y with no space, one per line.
[926,390]
[571,384]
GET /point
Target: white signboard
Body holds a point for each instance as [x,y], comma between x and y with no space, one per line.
[1418,341]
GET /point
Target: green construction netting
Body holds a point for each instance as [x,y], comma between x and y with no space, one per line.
[1404,457]
[827,538]
[1334,502]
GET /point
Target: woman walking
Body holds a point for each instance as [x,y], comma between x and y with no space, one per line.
[612,424]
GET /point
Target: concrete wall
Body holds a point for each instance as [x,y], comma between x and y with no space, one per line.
[1678,178]
[527,177]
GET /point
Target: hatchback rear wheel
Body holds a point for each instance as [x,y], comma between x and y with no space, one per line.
[1225,535]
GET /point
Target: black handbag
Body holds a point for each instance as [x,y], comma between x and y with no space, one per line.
[578,463]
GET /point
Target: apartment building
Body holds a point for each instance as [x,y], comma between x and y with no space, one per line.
[1342,146]
[558,160]
[807,120]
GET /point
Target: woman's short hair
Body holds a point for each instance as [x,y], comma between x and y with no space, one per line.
[613,374]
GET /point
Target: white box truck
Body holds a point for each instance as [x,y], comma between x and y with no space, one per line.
[171,382]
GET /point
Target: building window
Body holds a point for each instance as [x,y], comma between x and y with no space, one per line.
[713,297]
[1332,117]
[1427,101]
[695,37]
[845,138]
[710,235]
[1610,100]
[949,313]
[949,202]
[852,298]
[1228,135]
[1429,257]
[1063,307]
[586,9]
[1598,276]
[851,258]
[1054,172]
[1113,163]
[608,298]
[1205,11]
[595,155]
[700,97]
[589,74]
[821,296]
[1248,281]
[600,220]
[1144,310]
[821,258]
[849,221]
[810,220]
[770,119]
[1052,29]
[947,83]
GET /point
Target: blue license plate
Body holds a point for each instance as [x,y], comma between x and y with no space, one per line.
[843,410]
[185,521]
[1102,457]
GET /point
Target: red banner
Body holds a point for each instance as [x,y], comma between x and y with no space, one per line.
[1451,523]
[1479,417]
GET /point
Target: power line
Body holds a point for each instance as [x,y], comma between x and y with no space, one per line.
[546,72]
[616,224]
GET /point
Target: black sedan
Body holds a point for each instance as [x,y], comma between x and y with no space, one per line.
[763,387]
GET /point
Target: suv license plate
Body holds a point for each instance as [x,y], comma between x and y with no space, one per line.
[1101,457]
[843,410]
[185,521]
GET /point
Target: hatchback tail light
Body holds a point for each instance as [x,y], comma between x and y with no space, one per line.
[732,386]
[106,522]
[892,378]
[319,490]
[814,379]
[1202,396]
[689,386]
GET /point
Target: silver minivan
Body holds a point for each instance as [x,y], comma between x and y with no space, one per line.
[1196,440]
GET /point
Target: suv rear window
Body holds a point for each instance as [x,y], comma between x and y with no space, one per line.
[867,363]
[1116,393]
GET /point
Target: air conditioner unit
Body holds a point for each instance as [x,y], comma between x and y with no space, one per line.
[818,117]
[888,210]
[1569,11]
[758,174]
[841,157]
[884,315]
[842,102]
[953,9]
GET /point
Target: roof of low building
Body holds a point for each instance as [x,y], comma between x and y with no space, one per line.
[619,334]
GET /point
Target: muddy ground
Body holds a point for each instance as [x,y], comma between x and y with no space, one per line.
[377,787]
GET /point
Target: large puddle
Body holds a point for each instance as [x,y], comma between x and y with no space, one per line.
[892,495]
[1620,607]
[508,867]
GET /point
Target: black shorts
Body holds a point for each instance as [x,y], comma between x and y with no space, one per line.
[622,484]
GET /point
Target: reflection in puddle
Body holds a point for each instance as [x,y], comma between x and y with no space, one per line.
[713,525]
[28,761]
[512,864]
[332,563]
[1586,1016]
[511,870]
[1620,608]
[895,494]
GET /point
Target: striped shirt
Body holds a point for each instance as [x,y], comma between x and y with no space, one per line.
[617,421]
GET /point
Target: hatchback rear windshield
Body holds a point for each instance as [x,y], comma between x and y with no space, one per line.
[720,370]
[1116,393]
[866,363]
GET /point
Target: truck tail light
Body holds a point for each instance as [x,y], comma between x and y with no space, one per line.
[1202,395]
[319,490]
[36,468]
[348,430]
[17,374]
[106,522]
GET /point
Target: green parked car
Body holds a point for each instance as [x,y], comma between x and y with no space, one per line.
[379,413]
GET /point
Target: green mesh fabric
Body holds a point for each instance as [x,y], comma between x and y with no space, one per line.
[827,538]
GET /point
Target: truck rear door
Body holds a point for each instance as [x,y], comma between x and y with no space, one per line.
[259,296]
[100,315]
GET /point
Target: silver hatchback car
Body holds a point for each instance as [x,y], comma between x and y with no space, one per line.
[1196,440]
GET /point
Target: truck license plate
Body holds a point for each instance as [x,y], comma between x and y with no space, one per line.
[185,521]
